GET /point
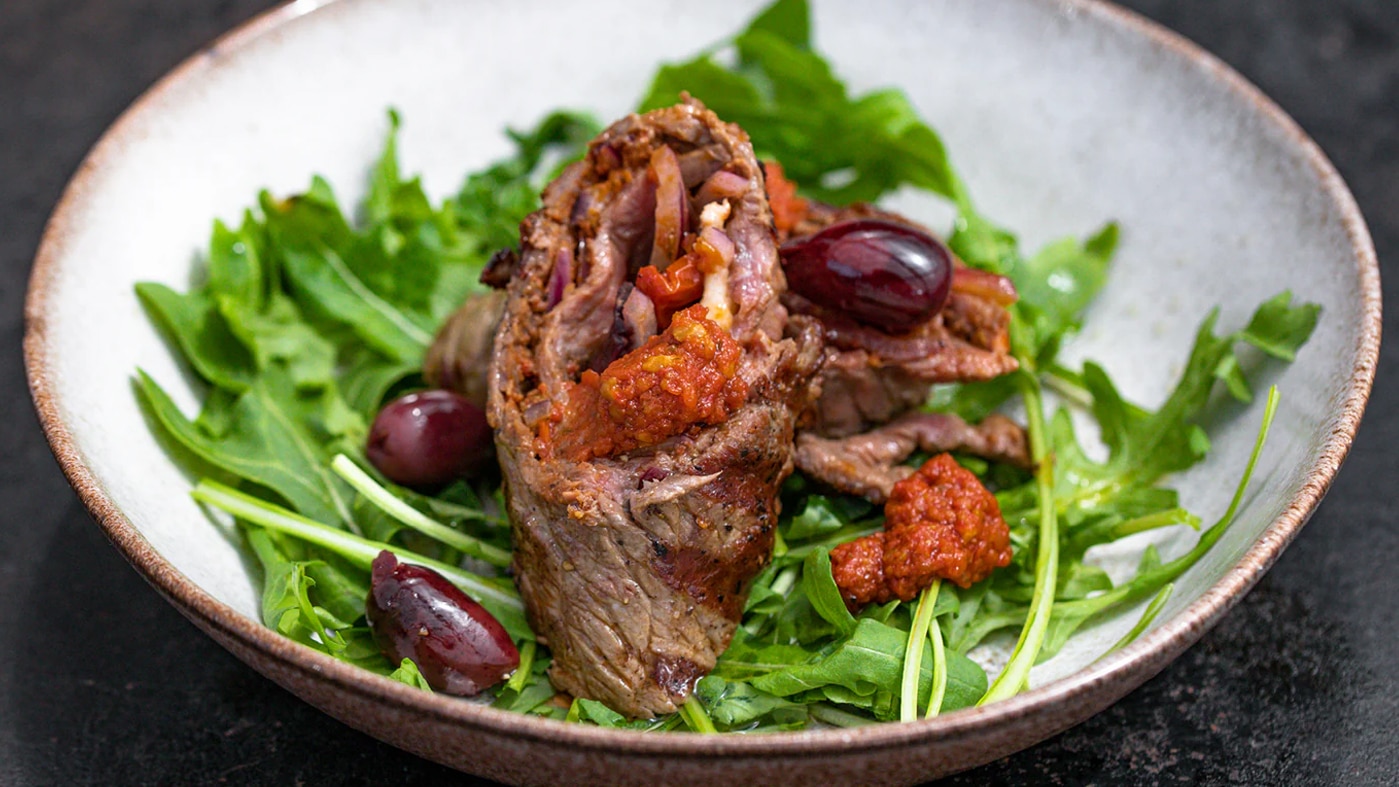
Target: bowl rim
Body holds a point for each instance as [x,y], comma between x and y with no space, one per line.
[1128,667]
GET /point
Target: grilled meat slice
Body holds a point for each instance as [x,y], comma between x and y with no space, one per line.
[869,464]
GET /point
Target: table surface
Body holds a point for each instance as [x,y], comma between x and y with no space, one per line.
[102,682]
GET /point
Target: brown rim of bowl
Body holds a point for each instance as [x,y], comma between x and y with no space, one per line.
[1141,657]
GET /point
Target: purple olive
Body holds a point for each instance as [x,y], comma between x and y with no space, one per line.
[415,613]
[429,438]
[880,273]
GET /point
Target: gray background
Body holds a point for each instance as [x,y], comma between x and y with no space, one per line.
[102,682]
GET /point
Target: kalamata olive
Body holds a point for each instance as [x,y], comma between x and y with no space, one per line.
[880,273]
[415,613]
[429,438]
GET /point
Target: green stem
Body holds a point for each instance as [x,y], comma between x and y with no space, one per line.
[1091,536]
[413,518]
[829,714]
[785,581]
[356,549]
[522,673]
[1149,614]
[696,717]
[1168,518]
[1069,385]
[939,663]
[1143,583]
[847,533]
[1017,671]
[913,653]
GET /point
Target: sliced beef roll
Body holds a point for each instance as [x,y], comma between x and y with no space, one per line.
[644,388]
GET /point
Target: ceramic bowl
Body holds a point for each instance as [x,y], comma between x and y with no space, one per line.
[1060,115]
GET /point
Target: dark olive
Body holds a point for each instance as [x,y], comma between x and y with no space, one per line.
[429,438]
[883,274]
[415,613]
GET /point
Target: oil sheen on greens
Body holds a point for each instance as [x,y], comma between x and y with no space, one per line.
[305,319]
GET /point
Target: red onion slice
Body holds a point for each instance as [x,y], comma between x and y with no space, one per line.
[721,185]
[984,284]
[561,276]
[700,163]
[639,316]
[720,242]
[672,208]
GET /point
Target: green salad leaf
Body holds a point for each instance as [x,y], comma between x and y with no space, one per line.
[839,148]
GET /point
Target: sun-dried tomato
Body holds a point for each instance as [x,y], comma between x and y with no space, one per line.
[939,523]
[788,209]
[681,285]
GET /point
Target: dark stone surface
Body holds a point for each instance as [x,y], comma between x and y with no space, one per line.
[102,682]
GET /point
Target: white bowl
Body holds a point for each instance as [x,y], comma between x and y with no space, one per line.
[1059,115]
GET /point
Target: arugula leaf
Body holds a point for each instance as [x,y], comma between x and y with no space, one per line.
[1280,329]
[1145,446]
[286,599]
[839,148]
[408,673]
[194,324]
[747,657]
[732,705]
[367,379]
[491,203]
[789,20]
[818,517]
[586,710]
[322,279]
[273,436]
[866,669]
[1152,576]
[238,268]
[820,588]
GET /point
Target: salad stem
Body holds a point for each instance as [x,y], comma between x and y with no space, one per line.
[913,653]
[696,717]
[412,517]
[939,659]
[359,551]
[1017,671]
[522,672]
[1149,614]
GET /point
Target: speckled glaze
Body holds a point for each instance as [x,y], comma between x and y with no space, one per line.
[1059,114]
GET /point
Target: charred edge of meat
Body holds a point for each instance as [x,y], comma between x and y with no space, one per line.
[499,268]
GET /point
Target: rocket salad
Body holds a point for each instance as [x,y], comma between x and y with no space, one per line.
[308,321]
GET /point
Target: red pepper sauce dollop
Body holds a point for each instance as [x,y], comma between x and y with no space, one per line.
[939,523]
[685,376]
